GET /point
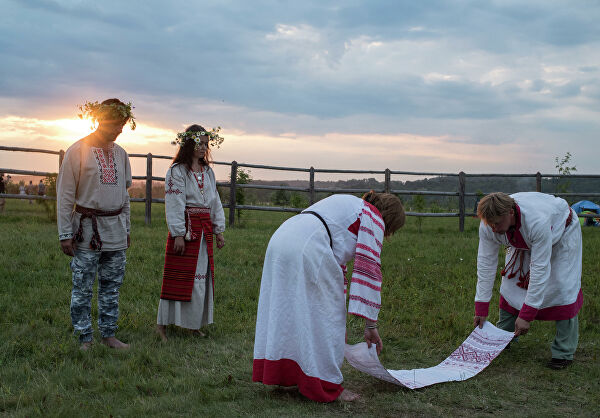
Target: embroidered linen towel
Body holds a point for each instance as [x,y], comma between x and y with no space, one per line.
[473,355]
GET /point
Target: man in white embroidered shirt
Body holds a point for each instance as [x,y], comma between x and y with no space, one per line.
[93,218]
[542,275]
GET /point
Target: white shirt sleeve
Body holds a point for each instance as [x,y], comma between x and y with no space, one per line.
[175,201]
[487,263]
[217,215]
[66,188]
[539,270]
[128,182]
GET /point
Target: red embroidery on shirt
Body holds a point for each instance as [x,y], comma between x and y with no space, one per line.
[370,232]
[365,301]
[367,284]
[375,220]
[367,267]
[367,248]
[170,190]
[106,167]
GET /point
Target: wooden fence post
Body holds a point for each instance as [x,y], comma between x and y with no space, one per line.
[538,182]
[233,180]
[61,157]
[148,188]
[461,201]
[311,186]
[388,176]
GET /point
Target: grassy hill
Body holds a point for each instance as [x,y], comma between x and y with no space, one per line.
[427,308]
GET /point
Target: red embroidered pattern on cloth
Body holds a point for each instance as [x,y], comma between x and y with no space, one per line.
[106,167]
[476,352]
[191,209]
[170,190]
[367,284]
[367,267]
[365,301]
[368,249]
[370,232]
[375,219]
[200,183]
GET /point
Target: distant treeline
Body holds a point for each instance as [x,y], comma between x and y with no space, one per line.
[480,185]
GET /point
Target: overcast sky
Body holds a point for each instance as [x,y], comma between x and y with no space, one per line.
[444,86]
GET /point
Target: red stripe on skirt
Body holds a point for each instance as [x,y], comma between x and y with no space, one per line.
[180,269]
[286,372]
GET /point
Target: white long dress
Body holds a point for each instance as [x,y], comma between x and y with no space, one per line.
[301,320]
[181,190]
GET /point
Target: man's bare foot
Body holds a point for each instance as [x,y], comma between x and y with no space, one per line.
[161,330]
[86,346]
[198,333]
[348,396]
[112,342]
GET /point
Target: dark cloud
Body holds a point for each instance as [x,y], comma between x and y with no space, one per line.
[180,53]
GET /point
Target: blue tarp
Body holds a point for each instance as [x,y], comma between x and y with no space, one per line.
[585,205]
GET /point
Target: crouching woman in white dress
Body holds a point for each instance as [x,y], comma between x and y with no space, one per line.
[194,213]
[301,320]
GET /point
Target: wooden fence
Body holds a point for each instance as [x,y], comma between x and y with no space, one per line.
[311,189]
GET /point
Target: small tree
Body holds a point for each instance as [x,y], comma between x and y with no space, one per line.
[281,197]
[298,201]
[419,205]
[562,165]
[242,177]
[49,205]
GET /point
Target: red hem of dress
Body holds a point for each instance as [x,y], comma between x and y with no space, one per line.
[552,313]
[286,372]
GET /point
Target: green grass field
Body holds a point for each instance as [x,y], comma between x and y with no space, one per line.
[427,310]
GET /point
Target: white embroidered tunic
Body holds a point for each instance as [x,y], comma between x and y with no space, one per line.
[185,188]
[552,255]
[182,188]
[96,179]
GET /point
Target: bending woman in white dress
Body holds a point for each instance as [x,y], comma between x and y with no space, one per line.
[194,213]
[301,321]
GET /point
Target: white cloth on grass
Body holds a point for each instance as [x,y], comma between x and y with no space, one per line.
[473,355]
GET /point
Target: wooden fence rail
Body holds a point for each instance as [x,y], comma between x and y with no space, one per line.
[311,189]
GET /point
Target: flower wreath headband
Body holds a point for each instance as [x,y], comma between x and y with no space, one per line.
[213,137]
[97,112]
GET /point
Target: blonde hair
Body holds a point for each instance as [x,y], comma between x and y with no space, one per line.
[493,206]
[391,210]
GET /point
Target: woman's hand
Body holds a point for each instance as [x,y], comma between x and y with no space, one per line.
[220,241]
[479,321]
[372,337]
[179,245]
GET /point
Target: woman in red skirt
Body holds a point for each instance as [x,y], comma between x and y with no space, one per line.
[194,213]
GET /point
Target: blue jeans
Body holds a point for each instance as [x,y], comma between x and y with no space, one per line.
[110,266]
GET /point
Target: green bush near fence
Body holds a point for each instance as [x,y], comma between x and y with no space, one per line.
[427,308]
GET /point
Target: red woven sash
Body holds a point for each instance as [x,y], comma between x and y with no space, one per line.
[180,269]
